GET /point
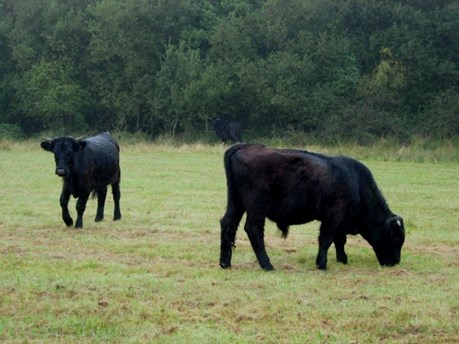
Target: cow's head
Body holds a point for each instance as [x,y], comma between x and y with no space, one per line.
[64,148]
[388,247]
[213,121]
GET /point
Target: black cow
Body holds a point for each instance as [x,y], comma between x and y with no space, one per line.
[227,130]
[293,187]
[86,166]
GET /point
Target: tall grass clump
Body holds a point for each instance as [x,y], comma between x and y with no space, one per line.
[385,149]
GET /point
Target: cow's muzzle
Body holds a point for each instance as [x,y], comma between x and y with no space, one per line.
[60,172]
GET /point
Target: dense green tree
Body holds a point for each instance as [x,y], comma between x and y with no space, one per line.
[6,61]
[335,69]
[50,95]
[171,104]
[47,41]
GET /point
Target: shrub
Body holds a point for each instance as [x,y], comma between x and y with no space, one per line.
[10,131]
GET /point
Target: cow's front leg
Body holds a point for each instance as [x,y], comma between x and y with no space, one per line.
[255,227]
[64,202]
[101,195]
[80,207]
[340,241]
[325,241]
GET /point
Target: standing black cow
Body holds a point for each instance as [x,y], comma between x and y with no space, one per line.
[227,130]
[86,166]
[293,187]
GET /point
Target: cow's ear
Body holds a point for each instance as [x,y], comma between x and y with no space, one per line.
[81,145]
[397,229]
[47,145]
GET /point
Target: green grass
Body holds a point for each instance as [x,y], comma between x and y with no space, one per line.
[154,275]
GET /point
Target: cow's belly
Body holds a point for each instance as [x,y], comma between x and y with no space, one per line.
[291,215]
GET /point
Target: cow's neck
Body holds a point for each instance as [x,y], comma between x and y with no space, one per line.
[71,180]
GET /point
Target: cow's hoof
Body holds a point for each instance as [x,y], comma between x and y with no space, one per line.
[117,217]
[322,267]
[266,264]
[225,266]
[99,218]
[342,259]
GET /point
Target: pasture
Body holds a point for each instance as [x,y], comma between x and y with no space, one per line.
[154,275]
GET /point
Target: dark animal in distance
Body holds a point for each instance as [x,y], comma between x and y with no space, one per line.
[86,166]
[292,187]
[227,130]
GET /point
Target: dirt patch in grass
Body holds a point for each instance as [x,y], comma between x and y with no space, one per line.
[437,249]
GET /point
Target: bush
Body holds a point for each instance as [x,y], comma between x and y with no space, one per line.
[11,131]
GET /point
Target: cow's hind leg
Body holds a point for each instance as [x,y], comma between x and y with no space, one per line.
[255,228]
[116,198]
[340,241]
[229,224]
[64,202]
[325,240]
[101,196]
[81,207]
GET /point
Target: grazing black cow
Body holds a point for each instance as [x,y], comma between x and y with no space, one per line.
[227,130]
[293,187]
[86,166]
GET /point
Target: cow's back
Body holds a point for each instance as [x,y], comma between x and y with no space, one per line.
[105,147]
[100,160]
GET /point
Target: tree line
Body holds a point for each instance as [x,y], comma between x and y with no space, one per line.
[332,69]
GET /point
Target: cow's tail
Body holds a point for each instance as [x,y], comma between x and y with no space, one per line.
[234,209]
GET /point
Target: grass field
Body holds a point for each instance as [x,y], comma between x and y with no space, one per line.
[153,277]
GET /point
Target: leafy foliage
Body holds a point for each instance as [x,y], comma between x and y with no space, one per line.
[336,70]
